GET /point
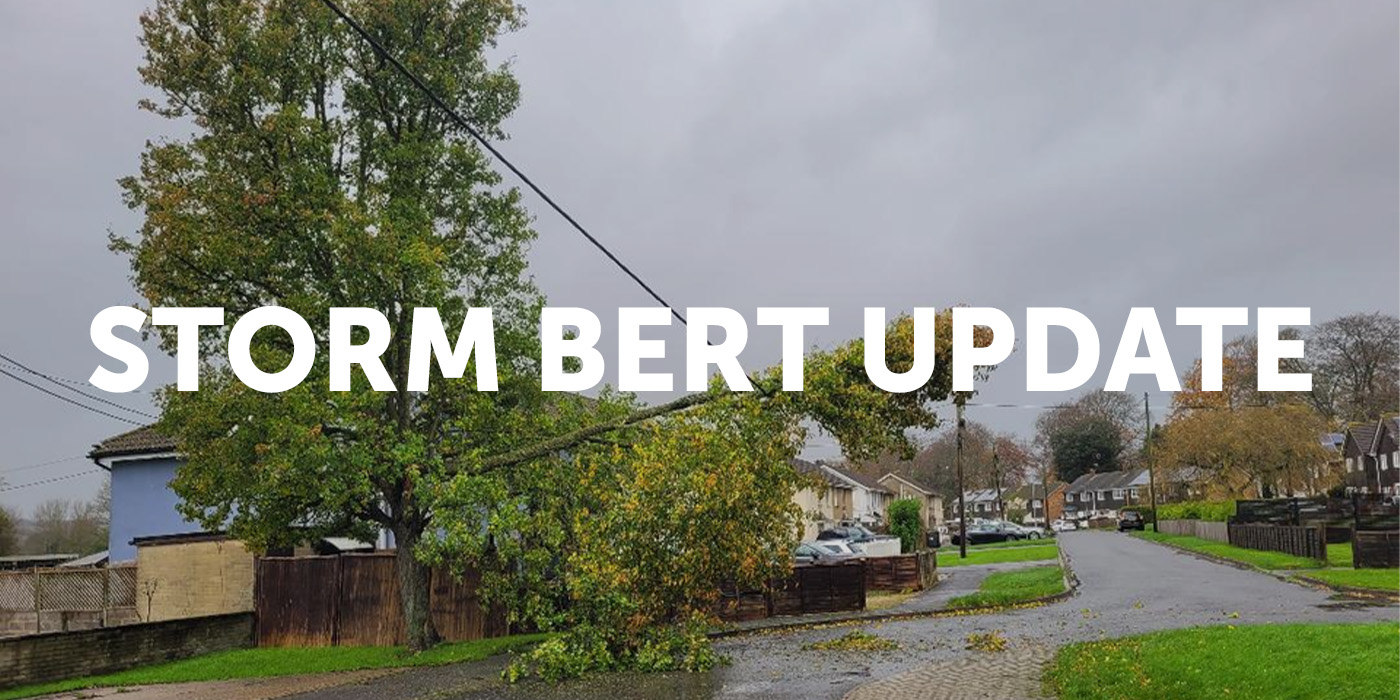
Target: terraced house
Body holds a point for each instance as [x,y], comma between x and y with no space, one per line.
[1103,494]
[1372,453]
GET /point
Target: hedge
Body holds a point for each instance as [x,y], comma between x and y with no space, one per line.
[1214,511]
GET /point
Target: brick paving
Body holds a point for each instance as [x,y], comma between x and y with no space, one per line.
[1013,674]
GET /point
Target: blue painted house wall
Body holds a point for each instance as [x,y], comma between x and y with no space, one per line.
[143,504]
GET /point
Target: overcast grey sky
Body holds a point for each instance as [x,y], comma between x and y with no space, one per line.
[1096,155]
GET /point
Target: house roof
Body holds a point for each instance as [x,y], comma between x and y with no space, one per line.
[98,559]
[1109,480]
[861,480]
[812,468]
[981,495]
[1363,436]
[143,440]
[917,483]
[178,538]
[1030,492]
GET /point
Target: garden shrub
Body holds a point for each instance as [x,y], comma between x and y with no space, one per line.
[906,524]
[1214,511]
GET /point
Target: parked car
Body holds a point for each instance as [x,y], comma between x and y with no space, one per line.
[1130,520]
[849,533]
[986,533]
[815,553]
[1027,532]
[1063,526]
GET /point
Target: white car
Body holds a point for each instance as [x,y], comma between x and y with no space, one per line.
[1063,526]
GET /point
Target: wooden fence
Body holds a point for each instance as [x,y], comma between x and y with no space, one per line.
[1375,549]
[808,590]
[1204,529]
[904,572]
[353,600]
[63,599]
[1301,541]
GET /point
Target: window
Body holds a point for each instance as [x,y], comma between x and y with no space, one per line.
[1133,493]
[1351,464]
[1103,495]
[1117,494]
[1385,461]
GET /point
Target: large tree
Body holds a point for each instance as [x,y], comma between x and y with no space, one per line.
[1355,361]
[315,177]
[1096,431]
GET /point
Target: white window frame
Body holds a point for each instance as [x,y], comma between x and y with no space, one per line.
[1117,494]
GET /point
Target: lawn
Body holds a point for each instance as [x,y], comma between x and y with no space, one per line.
[1007,587]
[1253,557]
[948,556]
[1376,579]
[1339,555]
[1009,543]
[1296,661]
[275,661]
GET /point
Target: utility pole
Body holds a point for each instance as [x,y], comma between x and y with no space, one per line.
[962,490]
[1147,455]
[996,481]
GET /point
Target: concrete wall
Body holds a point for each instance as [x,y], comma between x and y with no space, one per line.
[193,579]
[55,656]
[143,504]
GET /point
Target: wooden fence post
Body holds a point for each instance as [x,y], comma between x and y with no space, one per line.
[38,602]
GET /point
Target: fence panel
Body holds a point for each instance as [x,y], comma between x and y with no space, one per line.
[1310,542]
[353,600]
[1375,549]
[906,572]
[1204,529]
[295,601]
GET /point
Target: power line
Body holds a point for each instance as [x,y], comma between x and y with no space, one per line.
[11,470]
[41,482]
[63,383]
[61,397]
[457,118]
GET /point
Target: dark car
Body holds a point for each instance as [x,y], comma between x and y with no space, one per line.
[850,533]
[1130,520]
[986,533]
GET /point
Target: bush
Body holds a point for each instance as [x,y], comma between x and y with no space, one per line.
[1213,511]
[906,524]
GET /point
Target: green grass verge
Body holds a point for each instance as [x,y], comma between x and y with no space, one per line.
[1339,555]
[1007,587]
[948,556]
[1253,557]
[1295,661]
[1009,543]
[276,661]
[1387,580]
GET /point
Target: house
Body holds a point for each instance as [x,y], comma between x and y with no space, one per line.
[1372,456]
[982,503]
[930,503]
[1030,499]
[142,463]
[1102,494]
[828,502]
[869,499]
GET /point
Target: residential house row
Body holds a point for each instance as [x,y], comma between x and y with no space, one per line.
[842,496]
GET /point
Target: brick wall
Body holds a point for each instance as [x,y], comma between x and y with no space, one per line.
[193,579]
[58,655]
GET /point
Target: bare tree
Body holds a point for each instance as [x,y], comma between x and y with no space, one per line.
[1355,361]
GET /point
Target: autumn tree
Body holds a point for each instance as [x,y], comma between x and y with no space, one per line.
[1252,451]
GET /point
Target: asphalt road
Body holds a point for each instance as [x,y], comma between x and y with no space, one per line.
[1127,586]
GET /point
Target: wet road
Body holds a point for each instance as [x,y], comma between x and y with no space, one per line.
[1127,586]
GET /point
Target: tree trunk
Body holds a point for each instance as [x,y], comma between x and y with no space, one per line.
[415,587]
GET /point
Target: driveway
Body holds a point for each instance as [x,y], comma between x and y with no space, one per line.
[1127,586]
